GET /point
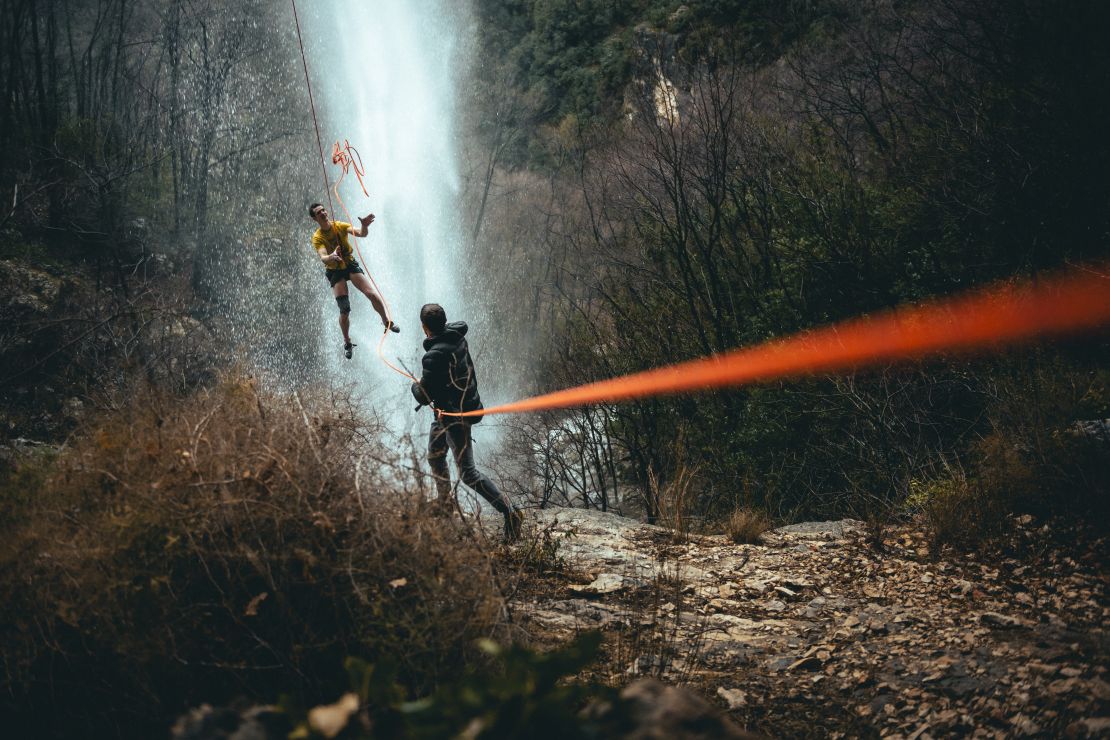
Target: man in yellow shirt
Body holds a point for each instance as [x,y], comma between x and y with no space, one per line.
[330,242]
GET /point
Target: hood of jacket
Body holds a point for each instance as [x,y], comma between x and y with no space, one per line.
[451,335]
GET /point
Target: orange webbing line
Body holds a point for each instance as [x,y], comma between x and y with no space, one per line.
[1067,302]
[345,158]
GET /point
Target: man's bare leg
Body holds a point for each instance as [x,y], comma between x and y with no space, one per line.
[367,289]
[339,290]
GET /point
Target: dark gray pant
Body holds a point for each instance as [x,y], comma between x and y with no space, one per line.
[456,437]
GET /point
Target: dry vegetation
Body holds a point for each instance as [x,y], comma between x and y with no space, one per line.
[230,543]
[746,526]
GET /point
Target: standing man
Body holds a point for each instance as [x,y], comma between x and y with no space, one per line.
[330,242]
[450,383]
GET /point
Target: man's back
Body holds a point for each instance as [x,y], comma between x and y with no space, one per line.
[449,378]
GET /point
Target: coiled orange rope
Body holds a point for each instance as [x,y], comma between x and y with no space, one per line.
[1073,301]
[347,158]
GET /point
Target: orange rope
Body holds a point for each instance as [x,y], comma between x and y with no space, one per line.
[345,158]
[1069,302]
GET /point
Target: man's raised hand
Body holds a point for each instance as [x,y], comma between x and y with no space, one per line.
[366,221]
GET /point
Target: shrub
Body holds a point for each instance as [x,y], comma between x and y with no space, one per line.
[959,511]
[524,694]
[1044,473]
[674,499]
[540,552]
[228,543]
[746,526]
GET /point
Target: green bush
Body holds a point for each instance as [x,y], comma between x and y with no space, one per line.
[1038,460]
[525,694]
[960,512]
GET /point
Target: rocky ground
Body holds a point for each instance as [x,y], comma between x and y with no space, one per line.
[817,633]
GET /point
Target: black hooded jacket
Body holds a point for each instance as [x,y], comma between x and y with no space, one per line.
[449,379]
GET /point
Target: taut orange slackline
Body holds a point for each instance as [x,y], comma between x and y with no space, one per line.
[1071,301]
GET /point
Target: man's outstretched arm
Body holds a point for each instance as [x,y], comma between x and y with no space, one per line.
[364,224]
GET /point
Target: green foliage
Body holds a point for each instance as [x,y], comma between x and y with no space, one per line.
[1037,460]
[527,698]
[523,694]
[961,513]
[577,58]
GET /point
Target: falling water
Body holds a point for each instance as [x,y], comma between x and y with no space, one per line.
[384,77]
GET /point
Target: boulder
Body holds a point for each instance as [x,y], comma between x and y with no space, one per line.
[652,710]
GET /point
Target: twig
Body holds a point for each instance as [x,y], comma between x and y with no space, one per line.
[311,432]
[17,203]
[358,488]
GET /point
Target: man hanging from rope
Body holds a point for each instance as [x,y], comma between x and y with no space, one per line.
[330,242]
[449,382]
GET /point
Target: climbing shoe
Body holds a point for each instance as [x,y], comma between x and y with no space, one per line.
[348,349]
[392,326]
[514,525]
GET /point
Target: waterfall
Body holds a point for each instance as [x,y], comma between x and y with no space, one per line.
[384,76]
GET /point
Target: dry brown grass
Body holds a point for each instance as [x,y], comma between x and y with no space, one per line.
[746,526]
[960,513]
[674,500]
[229,543]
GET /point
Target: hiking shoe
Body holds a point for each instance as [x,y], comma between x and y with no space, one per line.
[392,326]
[348,349]
[514,525]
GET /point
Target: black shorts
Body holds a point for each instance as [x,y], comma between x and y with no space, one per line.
[334,276]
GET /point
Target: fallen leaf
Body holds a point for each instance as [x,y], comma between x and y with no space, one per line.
[735,698]
[252,606]
[331,719]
